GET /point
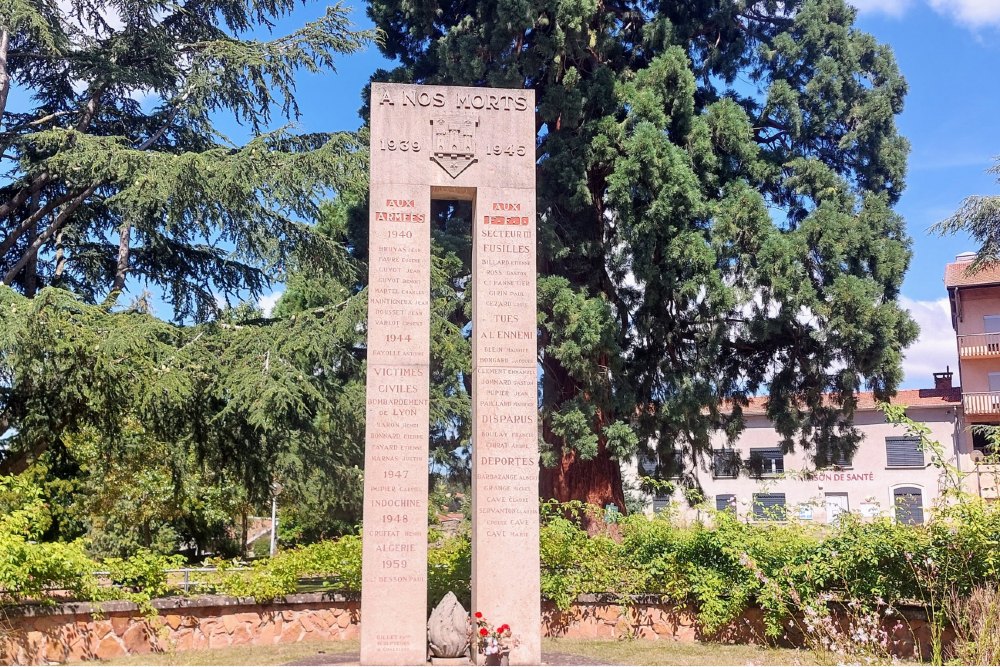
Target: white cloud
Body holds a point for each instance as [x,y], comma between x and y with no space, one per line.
[935,348]
[970,13]
[973,13]
[267,302]
[891,7]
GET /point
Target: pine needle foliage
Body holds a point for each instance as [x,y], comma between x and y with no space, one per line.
[115,175]
[237,403]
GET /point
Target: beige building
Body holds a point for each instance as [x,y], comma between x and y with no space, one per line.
[889,473]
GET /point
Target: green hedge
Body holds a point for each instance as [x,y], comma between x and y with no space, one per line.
[719,569]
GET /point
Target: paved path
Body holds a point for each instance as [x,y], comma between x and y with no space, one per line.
[548,658]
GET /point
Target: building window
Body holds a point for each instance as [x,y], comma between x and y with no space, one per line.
[725,464]
[647,464]
[909,504]
[981,441]
[662,465]
[767,462]
[769,506]
[836,504]
[726,502]
[903,452]
[839,459]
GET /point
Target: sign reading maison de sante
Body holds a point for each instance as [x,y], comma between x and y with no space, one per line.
[474,144]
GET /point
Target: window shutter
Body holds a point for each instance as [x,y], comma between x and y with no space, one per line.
[909,505]
[769,506]
[903,452]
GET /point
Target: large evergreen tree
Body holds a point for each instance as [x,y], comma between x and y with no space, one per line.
[117,178]
[715,191]
[115,170]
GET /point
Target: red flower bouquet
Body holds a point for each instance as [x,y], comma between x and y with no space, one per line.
[492,641]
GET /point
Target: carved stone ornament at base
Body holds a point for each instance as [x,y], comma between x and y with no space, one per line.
[448,629]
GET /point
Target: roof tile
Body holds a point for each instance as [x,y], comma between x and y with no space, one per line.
[866,400]
[957,274]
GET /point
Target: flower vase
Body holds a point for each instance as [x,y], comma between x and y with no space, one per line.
[500,658]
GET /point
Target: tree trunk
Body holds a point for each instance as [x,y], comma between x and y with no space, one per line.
[121,271]
[31,269]
[4,74]
[597,481]
[244,531]
[60,259]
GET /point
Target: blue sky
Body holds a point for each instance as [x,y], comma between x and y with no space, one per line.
[949,53]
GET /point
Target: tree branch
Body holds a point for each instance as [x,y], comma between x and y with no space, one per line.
[12,238]
[47,234]
[22,195]
[166,124]
[36,122]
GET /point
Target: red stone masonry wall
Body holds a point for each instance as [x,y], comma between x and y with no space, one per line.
[80,631]
[73,632]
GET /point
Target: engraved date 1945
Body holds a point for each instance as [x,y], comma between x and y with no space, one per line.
[509,149]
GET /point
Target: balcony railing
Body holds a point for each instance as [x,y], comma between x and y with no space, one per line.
[981,403]
[977,346]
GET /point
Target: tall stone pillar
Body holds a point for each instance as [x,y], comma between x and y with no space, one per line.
[394,544]
[505,561]
[450,143]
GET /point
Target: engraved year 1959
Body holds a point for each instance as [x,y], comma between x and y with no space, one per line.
[403,145]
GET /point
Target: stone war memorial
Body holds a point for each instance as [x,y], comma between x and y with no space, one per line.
[454,144]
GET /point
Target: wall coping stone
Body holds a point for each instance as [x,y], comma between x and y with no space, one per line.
[174,602]
[206,601]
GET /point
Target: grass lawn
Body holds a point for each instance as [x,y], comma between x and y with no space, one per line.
[278,654]
[614,652]
[640,652]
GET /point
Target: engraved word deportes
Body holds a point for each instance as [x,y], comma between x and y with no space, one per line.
[477,145]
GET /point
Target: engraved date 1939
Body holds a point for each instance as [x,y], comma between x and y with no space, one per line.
[404,145]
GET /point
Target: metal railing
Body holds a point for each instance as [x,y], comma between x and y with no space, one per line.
[979,345]
[981,403]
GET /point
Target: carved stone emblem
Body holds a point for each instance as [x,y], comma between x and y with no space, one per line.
[448,629]
[454,143]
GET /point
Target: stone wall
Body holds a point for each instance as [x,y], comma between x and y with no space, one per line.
[600,617]
[79,631]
